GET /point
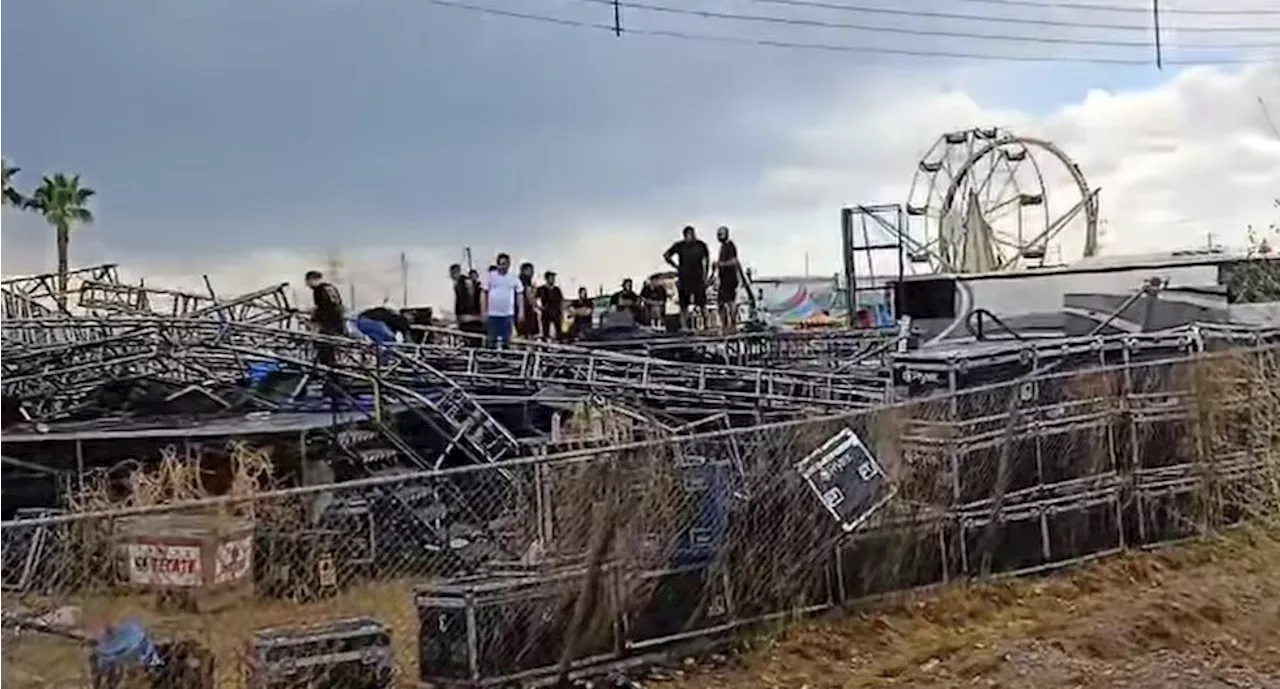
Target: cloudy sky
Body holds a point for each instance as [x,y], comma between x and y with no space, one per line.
[252,139]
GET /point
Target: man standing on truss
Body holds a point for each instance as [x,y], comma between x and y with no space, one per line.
[692,271]
[551,300]
[727,291]
[502,302]
[466,300]
[527,323]
[328,315]
[654,297]
[626,300]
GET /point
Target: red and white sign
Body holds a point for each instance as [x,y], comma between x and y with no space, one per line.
[233,561]
[153,564]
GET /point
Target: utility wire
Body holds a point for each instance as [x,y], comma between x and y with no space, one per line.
[902,30]
[1131,9]
[1024,21]
[815,47]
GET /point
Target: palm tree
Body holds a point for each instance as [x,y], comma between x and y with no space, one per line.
[8,195]
[63,203]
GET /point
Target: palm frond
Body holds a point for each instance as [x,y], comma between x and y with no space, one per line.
[62,200]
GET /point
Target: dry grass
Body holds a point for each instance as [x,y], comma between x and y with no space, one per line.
[1215,602]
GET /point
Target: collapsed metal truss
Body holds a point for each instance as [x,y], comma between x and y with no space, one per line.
[1013,456]
[827,349]
[55,365]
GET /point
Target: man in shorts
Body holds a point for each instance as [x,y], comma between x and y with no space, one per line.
[727,268]
[690,258]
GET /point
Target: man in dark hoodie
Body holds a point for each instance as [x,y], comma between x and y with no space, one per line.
[328,315]
[466,301]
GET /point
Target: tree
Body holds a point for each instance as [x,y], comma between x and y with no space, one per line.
[63,202]
[8,195]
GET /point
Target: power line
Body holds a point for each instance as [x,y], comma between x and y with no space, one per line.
[1130,9]
[812,46]
[1024,21]
[901,30]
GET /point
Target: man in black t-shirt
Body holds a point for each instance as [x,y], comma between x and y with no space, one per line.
[626,299]
[582,310]
[690,258]
[551,305]
[329,316]
[654,297]
[727,267]
[527,326]
[466,300]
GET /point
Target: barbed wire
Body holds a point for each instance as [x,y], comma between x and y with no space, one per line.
[760,42]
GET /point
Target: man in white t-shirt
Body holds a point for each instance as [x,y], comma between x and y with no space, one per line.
[502,302]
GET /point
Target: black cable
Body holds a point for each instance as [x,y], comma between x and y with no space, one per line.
[798,21]
[1025,21]
[818,47]
[1129,9]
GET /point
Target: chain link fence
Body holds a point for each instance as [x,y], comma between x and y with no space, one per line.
[628,535]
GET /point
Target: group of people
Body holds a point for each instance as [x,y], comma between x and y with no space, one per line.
[695,271]
[501,304]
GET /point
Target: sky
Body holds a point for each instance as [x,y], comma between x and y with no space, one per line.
[251,140]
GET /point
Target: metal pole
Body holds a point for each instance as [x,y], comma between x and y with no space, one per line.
[850,273]
[404,279]
[1155,29]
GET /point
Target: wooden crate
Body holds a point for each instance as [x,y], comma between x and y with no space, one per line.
[196,562]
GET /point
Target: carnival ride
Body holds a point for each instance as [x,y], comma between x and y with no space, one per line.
[987,199]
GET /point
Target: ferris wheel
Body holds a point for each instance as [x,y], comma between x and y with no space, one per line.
[986,199]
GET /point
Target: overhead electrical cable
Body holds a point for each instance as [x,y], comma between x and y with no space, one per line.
[990,19]
[1141,8]
[752,41]
[909,31]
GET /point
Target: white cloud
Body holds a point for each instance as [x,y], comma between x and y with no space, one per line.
[1189,157]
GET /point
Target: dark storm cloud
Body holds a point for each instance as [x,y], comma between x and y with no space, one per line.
[296,123]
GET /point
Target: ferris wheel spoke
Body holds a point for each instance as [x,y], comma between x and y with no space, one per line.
[1010,182]
[1060,223]
[984,187]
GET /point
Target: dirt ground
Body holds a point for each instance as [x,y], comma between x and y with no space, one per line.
[1199,616]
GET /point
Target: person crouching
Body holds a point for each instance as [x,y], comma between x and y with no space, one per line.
[382,325]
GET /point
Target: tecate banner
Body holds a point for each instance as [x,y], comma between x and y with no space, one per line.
[165,565]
